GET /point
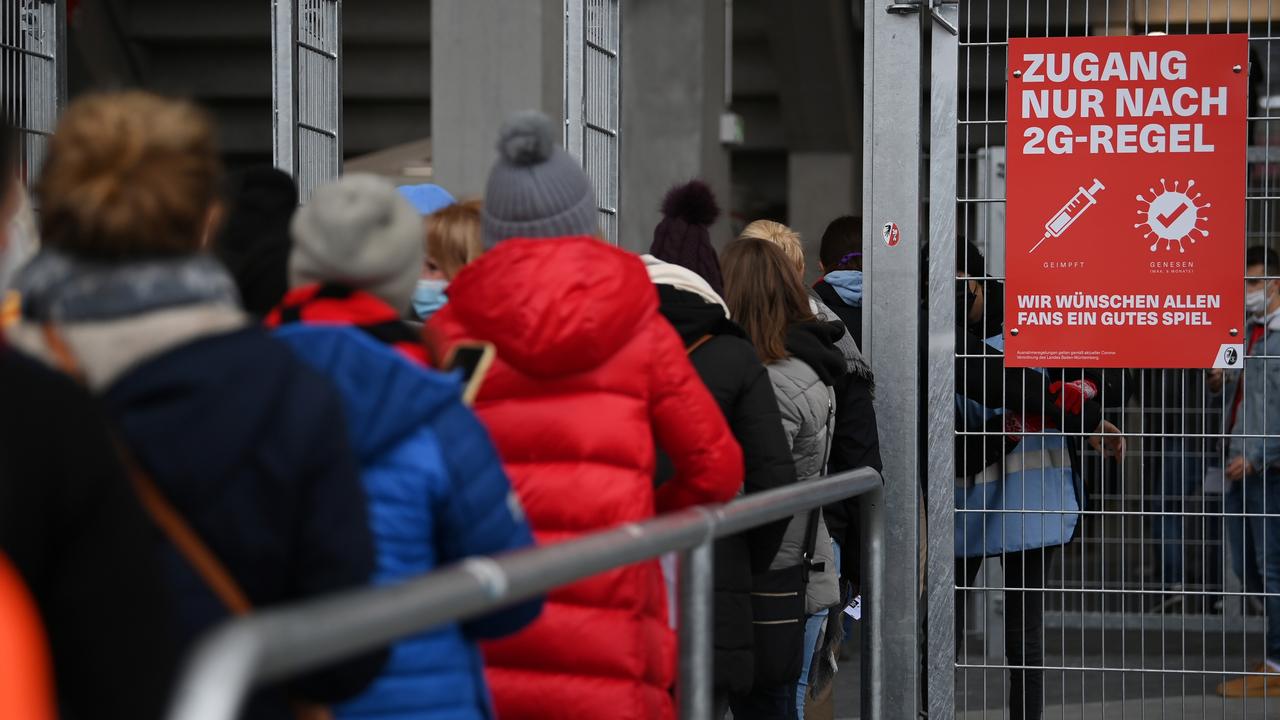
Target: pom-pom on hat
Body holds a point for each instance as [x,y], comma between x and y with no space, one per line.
[536,190]
[681,238]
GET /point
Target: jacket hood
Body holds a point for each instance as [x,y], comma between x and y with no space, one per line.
[665,273]
[815,344]
[209,404]
[692,316]
[387,398]
[847,284]
[553,307]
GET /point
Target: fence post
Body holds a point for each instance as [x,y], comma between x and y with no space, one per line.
[893,328]
[696,588]
[284,84]
[871,527]
[940,464]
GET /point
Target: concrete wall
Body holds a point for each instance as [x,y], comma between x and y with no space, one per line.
[673,80]
[489,58]
[821,187]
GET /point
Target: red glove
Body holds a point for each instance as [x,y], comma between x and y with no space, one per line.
[1071,396]
[1016,425]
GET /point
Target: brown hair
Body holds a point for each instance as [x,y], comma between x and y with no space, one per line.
[780,235]
[764,294]
[453,236]
[129,174]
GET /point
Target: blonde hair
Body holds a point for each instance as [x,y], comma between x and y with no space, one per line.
[780,235]
[129,174]
[453,236]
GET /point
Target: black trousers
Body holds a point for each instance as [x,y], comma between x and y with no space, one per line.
[1024,580]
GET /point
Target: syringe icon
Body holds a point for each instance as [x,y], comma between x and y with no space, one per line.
[1066,217]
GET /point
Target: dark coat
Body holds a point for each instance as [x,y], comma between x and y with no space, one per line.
[727,363]
[249,445]
[74,530]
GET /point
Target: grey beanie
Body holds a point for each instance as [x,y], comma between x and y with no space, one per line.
[536,189]
[361,233]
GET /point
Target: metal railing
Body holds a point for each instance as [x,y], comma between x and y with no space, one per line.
[273,645]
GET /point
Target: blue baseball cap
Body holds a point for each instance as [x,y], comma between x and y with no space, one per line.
[426,198]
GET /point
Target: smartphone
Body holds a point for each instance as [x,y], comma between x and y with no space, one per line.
[473,360]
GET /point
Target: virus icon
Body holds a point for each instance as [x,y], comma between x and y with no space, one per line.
[1172,215]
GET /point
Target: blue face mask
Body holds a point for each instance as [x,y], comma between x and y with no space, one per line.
[428,297]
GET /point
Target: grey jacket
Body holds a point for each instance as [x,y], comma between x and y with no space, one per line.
[1258,413]
[808,416]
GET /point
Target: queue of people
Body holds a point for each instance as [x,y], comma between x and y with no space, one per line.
[218,402]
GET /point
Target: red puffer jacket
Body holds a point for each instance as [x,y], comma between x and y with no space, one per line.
[588,375]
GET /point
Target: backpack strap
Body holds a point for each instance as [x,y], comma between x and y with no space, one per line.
[698,343]
[163,514]
[207,565]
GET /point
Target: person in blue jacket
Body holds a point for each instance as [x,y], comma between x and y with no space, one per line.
[1018,494]
[437,490]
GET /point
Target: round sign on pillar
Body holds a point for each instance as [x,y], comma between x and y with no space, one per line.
[892,236]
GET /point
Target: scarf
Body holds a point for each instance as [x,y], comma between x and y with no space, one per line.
[57,287]
[332,304]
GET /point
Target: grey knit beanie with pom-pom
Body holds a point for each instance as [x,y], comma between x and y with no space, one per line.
[536,189]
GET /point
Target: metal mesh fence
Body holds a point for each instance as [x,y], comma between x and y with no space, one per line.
[593,78]
[319,94]
[1161,594]
[307,91]
[30,89]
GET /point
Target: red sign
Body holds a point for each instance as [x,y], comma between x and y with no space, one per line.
[1126,202]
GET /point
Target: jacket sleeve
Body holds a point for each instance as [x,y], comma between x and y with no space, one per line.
[335,546]
[982,376]
[480,513]
[1262,417]
[688,424]
[766,454]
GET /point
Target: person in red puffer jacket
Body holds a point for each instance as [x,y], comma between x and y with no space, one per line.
[588,375]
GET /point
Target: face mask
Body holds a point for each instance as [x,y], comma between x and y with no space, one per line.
[1255,302]
[428,297]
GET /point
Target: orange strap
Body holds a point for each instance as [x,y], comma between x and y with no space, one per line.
[163,514]
[698,343]
[171,523]
[207,565]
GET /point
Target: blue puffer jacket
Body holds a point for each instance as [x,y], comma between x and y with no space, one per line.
[437,493]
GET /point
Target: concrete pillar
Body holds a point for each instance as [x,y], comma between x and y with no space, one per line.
[673,93]
[489,58]
[821,186]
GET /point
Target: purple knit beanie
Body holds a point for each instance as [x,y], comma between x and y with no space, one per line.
[682,238]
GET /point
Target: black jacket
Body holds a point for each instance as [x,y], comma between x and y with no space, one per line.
[74,530]
[728,364]
[249,445]
[850,315]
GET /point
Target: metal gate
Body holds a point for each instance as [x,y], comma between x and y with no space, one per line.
[1145,613]
[306,47]
[593,91]
[32,74]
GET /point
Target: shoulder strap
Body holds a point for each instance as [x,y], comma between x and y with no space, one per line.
[163,514]
[184,538]
[698,343]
